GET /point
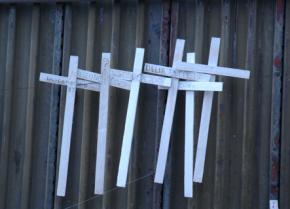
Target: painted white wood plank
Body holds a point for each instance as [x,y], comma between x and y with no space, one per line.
[168,117]
[170,72]
[130,119]
[90,76]
[67,126]
[273,204]
[61,80]
[189,136]
[213,70]
[122,74]
[145,78]
[120,83]
[102,124]
[205,116]
[53,79]
[156,80]
[200,86]
[116,81]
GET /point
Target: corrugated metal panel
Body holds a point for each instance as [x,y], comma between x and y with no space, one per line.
[248,132]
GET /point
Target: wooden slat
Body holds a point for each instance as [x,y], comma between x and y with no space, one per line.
[67,126]
[30,107]
[224,71]
[116,81]
[189,136]
[62,80]
[7,105]
[200,86]
[168,117]
[171,72]
[102,124]
[130,119]
[205,117]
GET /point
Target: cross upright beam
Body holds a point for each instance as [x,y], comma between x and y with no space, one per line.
[130,119]
[102,124]
[168,117]
[189,136]
[197,82]
[67,126]
[76,80]
[205,115]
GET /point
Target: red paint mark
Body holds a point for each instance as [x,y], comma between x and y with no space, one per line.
[277,62]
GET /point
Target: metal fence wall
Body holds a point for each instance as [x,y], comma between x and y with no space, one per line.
[248,158]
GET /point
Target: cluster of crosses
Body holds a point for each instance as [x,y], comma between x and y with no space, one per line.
[186,76]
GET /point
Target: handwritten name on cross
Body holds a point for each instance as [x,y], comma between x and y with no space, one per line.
[73,82]
[135,78]
[170,105]
[128,81]
[212,69]
[192,71]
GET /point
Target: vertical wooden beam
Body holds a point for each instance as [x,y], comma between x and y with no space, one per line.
[103,124]
[205,116]
[249,102]
[30,108]
[189,136]
[168,117]
[7,105]
[67,126]
[130,119]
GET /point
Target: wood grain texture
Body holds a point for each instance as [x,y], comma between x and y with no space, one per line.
[205,116]
[224,71]
[189,136]
[102,124]
[130,119]
[168,117]
[67,126]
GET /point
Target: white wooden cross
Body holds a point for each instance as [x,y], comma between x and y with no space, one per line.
[171,100]
[89,81]
[135,78]
[189,136]
[212,69]
[72,82]
[191,71]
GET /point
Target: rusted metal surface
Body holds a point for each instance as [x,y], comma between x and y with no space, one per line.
[247,162]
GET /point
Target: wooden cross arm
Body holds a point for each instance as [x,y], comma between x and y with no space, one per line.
[224,71]
[61,80]
[200,86]
[144,78]
[115,81]
[166,82]
[171,72]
